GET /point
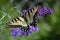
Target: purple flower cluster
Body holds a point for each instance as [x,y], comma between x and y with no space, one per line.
[42,11]
[18,31]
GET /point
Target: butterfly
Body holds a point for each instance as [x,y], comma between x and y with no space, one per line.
[24,21]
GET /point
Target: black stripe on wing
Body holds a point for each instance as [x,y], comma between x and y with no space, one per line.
[12,21]
[14,26]
[18,18]
[25,18]
[15,19]
[34,23]
[30,10]
[29,13]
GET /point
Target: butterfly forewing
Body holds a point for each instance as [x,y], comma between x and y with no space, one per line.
[18,21]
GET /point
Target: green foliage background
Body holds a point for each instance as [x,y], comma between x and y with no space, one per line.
[49,26]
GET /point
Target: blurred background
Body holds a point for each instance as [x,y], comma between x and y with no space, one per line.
[49,25]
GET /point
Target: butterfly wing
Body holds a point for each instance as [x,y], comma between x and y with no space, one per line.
[16,22]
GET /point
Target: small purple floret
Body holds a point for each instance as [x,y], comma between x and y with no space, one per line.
[50,10]
[14,32]
[32,28]
[23,12]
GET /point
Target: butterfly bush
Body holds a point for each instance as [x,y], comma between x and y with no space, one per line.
[41,11]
